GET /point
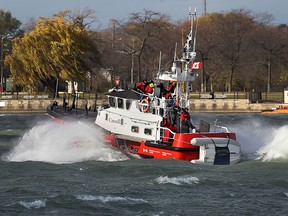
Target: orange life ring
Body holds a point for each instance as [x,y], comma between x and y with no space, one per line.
[144,103]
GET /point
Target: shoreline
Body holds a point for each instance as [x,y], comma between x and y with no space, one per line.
[193,111]
[199,105]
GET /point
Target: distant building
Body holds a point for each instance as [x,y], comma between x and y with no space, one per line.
[286,95]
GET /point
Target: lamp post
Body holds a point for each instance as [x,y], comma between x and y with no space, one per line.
[204,81]
[2,61]
[269,74]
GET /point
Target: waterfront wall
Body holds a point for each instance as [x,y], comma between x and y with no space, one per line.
[38,105]
[198,105]
[24,105]
[229,105]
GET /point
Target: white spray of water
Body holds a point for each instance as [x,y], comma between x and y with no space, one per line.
[68,143]
[76,142]
[278,147]
[106,199]
[37,204]
[251,135]
[260,140]
[180,180]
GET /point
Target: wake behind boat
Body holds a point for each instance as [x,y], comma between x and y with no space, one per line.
[149,121]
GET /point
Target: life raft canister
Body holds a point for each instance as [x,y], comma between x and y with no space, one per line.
[145,105]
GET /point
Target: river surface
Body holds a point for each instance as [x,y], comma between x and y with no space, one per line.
[52,169]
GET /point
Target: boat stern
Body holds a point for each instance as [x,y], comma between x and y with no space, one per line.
[217,150]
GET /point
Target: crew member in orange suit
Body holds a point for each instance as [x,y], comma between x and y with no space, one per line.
[149,88]
[186,119]
[171,87]
[141,86]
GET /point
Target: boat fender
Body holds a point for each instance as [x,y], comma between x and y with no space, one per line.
[144,103]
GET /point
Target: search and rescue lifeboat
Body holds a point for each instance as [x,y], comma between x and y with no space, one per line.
[149,124]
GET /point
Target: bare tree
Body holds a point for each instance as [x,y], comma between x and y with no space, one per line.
[144,31]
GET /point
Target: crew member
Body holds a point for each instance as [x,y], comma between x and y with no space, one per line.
[163,90]
[141,86]
[149,88]
[186,120]
[167,133]
[169,99]
[171,87]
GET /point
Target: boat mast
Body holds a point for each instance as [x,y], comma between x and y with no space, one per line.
[184,74]
[189,52]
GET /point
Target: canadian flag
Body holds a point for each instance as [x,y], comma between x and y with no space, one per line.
[195,65]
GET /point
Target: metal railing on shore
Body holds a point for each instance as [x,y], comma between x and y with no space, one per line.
[254,97]
[47,96]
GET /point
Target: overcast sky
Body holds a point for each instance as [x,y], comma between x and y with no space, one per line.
[24,10]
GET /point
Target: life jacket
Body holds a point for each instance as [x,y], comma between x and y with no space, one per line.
[184,116]
[171,88]
[168,96]
[141,86]
[149,89]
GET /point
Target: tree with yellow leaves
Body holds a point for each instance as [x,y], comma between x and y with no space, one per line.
[55,49]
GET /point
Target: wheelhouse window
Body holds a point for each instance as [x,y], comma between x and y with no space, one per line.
[112,102]
[120,103]
[135,129]
[148,131]
[128,104]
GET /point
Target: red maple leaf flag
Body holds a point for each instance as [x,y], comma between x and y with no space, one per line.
[195,65]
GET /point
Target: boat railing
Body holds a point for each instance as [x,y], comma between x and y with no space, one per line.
[166,135]
[222,129]
[154,104]
[219,128]
[159,103]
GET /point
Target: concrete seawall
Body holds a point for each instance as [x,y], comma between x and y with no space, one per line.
[229,105]
[199,105]
[35,105]
[24,105]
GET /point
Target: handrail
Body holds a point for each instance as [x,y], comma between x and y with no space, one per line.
[222,128]
[162,130]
